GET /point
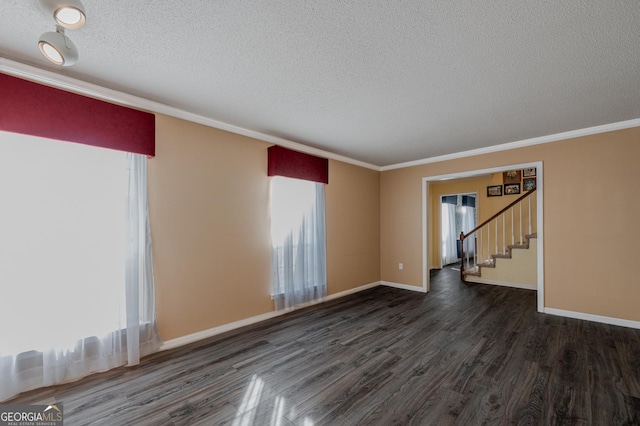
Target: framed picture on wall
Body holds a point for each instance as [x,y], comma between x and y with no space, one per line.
[529,184]
[528,172]
[512,189]
[511,176]
[494,191]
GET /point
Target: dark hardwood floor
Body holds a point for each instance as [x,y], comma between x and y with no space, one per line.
[467,355]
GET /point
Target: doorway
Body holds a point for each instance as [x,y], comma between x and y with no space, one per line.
[457,215]
[426,231]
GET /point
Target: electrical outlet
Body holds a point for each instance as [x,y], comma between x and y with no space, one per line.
[400,266]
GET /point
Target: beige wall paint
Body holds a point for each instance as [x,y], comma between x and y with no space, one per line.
[401,226]
[208,203]
[209,211]
[352,201]
[591,201]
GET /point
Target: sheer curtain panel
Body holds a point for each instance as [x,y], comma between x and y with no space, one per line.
[468,223]
[76,281]
[449,236]
[298,242]
[142,333]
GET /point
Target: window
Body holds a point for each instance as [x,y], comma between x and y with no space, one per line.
[76,285]
[62,242]
[298,241]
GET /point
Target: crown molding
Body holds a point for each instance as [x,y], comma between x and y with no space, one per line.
[519,144]
[74,85]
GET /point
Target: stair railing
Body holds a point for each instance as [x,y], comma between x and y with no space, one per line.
[485,230]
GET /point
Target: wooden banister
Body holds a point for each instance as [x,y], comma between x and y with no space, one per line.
[463,236]
[522,197]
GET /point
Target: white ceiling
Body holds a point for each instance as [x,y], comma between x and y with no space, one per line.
[379,81]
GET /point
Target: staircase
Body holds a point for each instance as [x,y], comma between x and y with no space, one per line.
[508,235]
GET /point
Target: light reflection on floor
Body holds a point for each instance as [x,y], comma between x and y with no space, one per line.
[249,407]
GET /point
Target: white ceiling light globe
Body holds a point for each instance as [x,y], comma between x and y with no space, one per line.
[58,48]
[69,14]
[51,53]
[69,17]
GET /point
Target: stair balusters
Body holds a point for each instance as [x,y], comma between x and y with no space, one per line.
[476,237]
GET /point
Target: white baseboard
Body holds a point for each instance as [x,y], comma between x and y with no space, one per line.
[404,286]
[480,280]
[204,334]
[591,317]
[351,291]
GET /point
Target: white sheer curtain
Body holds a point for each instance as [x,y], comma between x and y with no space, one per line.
[75,262]
[298,242]
[468,223]
[449,238]
[142,333]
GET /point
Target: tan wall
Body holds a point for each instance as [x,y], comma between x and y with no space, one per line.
[209,211]
[352,201]
[591,201]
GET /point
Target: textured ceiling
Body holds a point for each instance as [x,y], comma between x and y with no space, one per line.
[378,81]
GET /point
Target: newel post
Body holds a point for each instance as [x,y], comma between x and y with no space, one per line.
[462,256]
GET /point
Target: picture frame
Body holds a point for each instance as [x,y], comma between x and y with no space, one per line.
[511,176]
[529,184]
[494,191]
[512,189]
[529,172]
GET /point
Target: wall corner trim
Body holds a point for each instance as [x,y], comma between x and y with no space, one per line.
[204,334]
[595,318]
[419,289]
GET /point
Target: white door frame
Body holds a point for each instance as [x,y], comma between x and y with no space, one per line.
[539,211]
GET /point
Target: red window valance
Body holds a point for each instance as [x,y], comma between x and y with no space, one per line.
[34,109]
[288,163]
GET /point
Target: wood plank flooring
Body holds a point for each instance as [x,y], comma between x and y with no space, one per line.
[462,354]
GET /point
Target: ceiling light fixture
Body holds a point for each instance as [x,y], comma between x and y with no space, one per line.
[56,46]
[67,13]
